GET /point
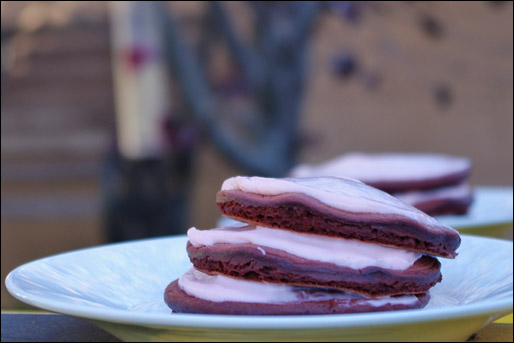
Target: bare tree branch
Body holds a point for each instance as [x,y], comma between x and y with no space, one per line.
[243,54]
[286,46]
[306,14]
[262,156]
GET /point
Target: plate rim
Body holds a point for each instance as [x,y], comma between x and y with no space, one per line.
[238,322]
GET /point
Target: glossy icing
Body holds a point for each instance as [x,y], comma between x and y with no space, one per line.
[387,167]
[342,252]
[219,288]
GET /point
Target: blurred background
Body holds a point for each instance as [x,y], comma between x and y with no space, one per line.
[121,121]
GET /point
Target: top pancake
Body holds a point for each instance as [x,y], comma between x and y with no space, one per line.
[337,207]
[393,172]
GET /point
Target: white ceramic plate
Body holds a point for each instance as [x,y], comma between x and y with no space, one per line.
[120,288]
[491,207]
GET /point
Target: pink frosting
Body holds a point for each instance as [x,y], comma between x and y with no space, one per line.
[389,167]
[452,192]
[342,193]
[219,288]
[339,251]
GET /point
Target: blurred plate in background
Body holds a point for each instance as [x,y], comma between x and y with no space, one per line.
[490,213]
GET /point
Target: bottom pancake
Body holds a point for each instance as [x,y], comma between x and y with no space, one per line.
[205,294]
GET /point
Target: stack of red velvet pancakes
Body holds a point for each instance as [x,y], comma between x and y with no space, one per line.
[311,246]
[433,183]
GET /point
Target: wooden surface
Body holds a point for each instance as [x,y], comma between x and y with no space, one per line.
[59,328]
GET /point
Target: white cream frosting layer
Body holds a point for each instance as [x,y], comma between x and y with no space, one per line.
[341,193]
[452,192]
[342,252]
[219,288]
[386,167]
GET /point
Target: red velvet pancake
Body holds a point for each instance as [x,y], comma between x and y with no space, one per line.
[301,213]
[246,261]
